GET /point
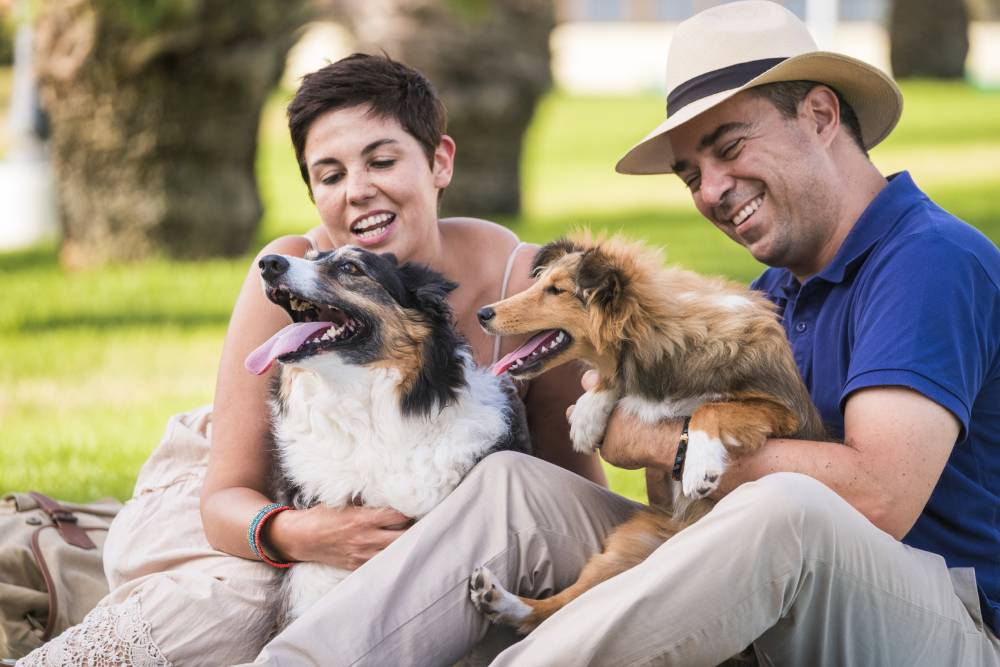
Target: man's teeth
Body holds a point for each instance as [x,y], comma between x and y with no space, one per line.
[370,225]
[747,210]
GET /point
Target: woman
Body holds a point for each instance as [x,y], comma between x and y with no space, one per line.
[369,138]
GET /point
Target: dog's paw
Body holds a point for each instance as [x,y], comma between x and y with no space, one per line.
[493,601]
[704,465]
[589,420]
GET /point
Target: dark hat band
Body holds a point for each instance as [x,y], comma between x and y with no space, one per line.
[717,81]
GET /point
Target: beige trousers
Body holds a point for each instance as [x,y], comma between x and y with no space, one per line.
[782,563]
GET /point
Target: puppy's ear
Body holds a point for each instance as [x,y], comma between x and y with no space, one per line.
[549,253]
[427,289]
[601,281]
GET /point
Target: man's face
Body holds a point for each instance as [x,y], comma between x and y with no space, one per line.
[762,179]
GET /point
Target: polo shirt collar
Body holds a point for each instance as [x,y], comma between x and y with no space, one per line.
[875,222]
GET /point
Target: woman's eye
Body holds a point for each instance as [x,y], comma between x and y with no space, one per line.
[331,179]
[383,163]
[552,289]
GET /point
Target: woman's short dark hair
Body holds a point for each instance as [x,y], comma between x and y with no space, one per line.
[389,88]
[786,96]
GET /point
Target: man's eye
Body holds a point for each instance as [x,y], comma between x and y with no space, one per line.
[552,289]
[732,149]
[385,163]
[692,183]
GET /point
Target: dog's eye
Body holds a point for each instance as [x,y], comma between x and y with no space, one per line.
[552,289]
[350,268]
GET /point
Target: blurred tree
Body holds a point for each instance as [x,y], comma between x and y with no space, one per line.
[490,62]
[928,38]
[155,106]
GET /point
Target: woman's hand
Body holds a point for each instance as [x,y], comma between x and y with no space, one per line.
[343,537]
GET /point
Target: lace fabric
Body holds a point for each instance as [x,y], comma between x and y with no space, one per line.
[113,635]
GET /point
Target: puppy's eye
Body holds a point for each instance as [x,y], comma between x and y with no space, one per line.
[350,268]
[552,289]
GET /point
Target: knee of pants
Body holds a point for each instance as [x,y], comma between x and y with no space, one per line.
[791,505]
[509,482]
[502,474]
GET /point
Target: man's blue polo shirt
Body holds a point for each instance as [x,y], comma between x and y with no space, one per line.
[912,299]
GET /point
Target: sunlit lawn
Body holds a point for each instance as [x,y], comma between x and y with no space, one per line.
[92,364]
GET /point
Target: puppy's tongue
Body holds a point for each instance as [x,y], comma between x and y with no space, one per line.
[287,340]
[535,342]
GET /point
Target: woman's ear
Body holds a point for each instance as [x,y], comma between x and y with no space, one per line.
[444,162]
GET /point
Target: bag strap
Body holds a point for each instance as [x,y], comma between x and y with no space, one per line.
[65,522]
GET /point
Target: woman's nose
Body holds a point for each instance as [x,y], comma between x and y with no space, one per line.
[360,187]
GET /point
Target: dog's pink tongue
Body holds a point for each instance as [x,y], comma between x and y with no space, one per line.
[535,342]
[287,340]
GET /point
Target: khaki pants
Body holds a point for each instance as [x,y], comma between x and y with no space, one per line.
[782,563]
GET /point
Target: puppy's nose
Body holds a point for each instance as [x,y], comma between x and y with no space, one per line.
[485,315]
[272,266]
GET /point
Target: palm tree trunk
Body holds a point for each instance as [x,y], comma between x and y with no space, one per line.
[154,114]
[928,38]
[490,62]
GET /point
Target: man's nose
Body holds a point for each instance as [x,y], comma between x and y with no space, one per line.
[715,183]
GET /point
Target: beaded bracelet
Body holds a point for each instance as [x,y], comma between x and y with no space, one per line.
[682,448]
[257,526]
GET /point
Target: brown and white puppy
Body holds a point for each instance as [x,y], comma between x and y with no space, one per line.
[667,343]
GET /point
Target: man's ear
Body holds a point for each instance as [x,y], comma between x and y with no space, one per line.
[444,162]
[601,281]
[549,253]
[822,108]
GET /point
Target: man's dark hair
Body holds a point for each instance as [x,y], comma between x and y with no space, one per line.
[391,90]
[787,95]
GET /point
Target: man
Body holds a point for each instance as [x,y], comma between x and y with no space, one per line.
[882,550]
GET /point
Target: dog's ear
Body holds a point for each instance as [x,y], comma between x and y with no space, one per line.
[549,253]
[442,373]
[600,280]
[427,288]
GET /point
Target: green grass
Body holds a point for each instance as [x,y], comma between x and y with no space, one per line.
[93,363]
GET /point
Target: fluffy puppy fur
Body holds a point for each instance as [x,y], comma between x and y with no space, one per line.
[667,343]
[377,400]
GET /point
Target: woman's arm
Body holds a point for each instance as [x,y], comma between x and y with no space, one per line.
[241,468]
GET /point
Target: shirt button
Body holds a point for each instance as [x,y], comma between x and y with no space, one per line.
[801,326]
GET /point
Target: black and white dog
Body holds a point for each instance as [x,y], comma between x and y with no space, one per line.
[378,399]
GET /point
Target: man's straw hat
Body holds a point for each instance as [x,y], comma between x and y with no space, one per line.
[719,52]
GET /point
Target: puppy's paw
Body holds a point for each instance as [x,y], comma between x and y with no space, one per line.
[493,601]
[704,465]
[590,419]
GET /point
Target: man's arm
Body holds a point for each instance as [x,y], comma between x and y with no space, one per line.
[896,444]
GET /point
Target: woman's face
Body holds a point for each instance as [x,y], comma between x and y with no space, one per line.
[372,183]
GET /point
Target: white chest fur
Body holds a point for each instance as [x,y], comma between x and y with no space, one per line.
[342,434]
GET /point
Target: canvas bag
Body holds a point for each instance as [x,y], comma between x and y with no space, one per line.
[51,569]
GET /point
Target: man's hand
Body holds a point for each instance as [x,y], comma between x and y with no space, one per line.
[630,443]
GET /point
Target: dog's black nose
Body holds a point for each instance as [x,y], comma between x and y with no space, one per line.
[272,266]
[485,315]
